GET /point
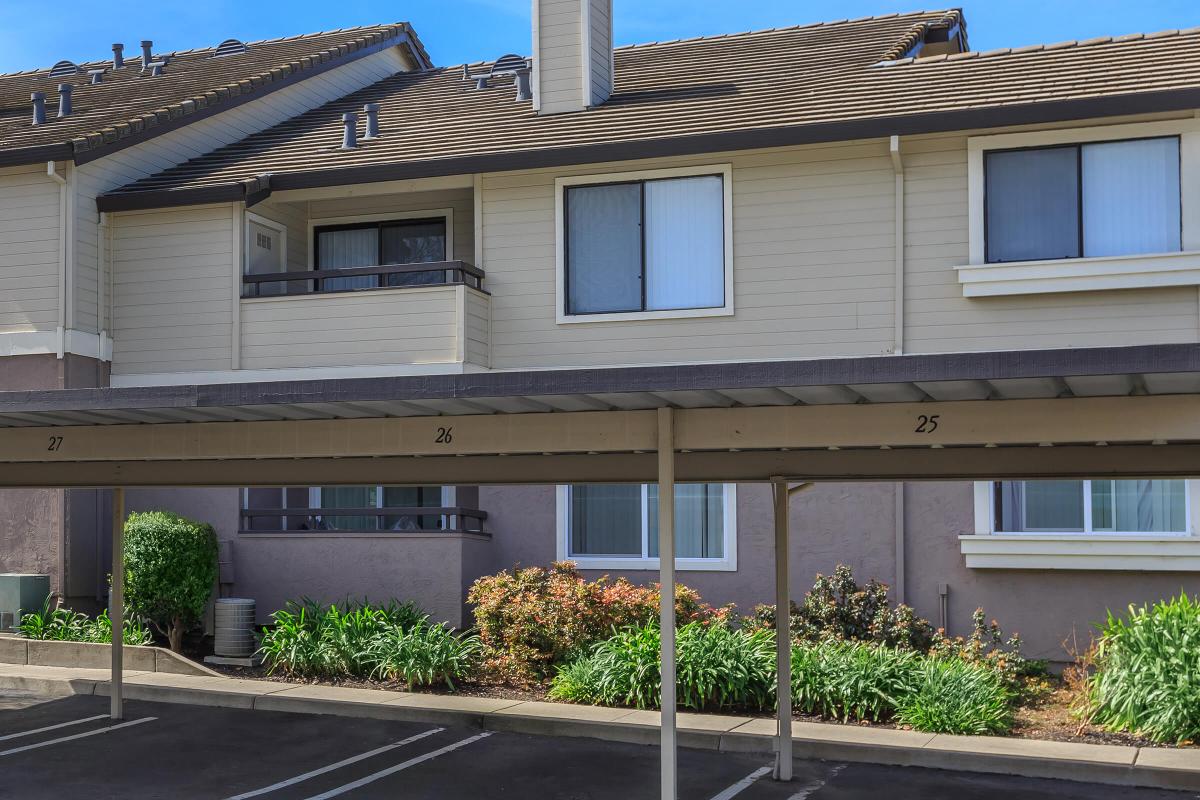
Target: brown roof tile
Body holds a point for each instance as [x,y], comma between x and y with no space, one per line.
[128,103]
[810,83]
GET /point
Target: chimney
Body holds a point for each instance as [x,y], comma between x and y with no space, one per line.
[372,112]
[118,55]
[350,134]
[572,54]
[64,100]
[146,57]
[39,107]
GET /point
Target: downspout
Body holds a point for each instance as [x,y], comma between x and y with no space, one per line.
[61,332]
[900,547]
[102,247]
[898,302]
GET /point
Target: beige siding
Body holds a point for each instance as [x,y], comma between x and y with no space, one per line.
[813,266]
[600,55]
[174,289]
[477,327]
[292,217]
[198,138]
[29,250]
[460,200]
[391,326]
[940,319]
[559,59]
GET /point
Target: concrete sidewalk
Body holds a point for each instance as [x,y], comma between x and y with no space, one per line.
[1128,766]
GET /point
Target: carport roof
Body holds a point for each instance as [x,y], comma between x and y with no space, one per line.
[1027,374]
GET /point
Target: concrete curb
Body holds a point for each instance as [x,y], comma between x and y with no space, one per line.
[1122,766]
[92,655]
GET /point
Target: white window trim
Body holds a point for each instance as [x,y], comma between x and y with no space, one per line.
[432,213]
[645,562]
[980,279]
[278,227]
[1127,552]
[560,267]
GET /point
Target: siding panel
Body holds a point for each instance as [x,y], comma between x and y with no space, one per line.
[29,250]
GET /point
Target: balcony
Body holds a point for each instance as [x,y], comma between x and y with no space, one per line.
[373,519]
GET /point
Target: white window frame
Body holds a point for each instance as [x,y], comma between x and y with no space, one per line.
[988,548]
[1177,268]
[560,231]
[728,563]
[278,227]
[398,216]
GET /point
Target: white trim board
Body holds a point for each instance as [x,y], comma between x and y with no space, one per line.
[289,374]
[80,343]
[560,268]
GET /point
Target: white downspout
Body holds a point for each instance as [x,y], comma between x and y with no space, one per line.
[898,168]
[102,248]
[61,331]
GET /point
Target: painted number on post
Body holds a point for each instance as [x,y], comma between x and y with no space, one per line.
[927,423]
[55,443]
[444,436]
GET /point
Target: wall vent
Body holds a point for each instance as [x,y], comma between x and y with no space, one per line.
[229,47]
[63,69]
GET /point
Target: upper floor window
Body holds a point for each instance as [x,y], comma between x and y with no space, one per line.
[645,245]
[1108,198]
[615,526]
[1093,506]
[379,243]
[356,509]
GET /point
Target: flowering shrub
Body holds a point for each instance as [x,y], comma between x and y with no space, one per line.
[532,619]
[838,608]
[987,647]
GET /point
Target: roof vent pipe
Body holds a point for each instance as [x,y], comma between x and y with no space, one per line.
[64,100]
[156,68]
[372,112]
[146,57]
[350,134]
[524,90]
[97,75]
[118,55]
[39,107]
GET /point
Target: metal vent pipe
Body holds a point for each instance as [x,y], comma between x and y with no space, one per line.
[372,112]
[118,55]
[64,100]
[146,57]
[39,107]
[350,132]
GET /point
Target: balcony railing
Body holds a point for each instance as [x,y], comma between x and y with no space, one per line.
[448,519]
[391,276]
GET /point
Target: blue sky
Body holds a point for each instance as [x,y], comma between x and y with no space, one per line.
[34,33]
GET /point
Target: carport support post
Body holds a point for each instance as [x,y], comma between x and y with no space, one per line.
[116,604]
[783,634]
[666,603]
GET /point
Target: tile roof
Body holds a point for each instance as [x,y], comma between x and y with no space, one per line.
[129,106]
[809,83]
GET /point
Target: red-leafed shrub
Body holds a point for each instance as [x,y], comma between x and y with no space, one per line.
[532,619]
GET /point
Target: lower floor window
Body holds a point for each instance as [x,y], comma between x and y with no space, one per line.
[618,524]
[1092,506]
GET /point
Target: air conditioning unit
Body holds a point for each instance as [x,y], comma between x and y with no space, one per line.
[21,594]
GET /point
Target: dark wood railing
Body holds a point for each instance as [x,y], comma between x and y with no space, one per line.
[451,519]
[325,281]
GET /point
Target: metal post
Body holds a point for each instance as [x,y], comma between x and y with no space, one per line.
[783,635]
[116,603]
[666,572]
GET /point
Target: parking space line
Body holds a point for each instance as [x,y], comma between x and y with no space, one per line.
[743,784]
[338,765]
[96,732]
[6,737]
[412,762]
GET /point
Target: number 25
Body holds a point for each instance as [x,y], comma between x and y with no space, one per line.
[927,423]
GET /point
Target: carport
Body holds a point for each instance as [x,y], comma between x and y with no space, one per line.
[1104,412]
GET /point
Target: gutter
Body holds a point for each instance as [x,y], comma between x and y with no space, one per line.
[694,144]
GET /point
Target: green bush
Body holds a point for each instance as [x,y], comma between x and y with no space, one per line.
[954,696]
[356,640]
[532,620]
[1147,678]
[987,646]
[851,680]
[65,625]
[170,569]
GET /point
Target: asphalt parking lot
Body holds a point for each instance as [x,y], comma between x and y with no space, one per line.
[66,748]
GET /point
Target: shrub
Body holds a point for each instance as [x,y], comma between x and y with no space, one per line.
[987,647]
[954,696]
[1147,678]
[532,619]
[170,569]
[423,655]
[65,625]
[851,680]
[838,608]
[716,667]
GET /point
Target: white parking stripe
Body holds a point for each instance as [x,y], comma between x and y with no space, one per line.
[331,767]
[412,762]
[52,727]
[77,736]
[743,784]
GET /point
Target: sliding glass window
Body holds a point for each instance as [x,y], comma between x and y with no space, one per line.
[386,243]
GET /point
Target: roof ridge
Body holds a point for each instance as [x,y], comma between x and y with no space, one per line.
[784,29]
[217,95]
[191,50]
[1070,44]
